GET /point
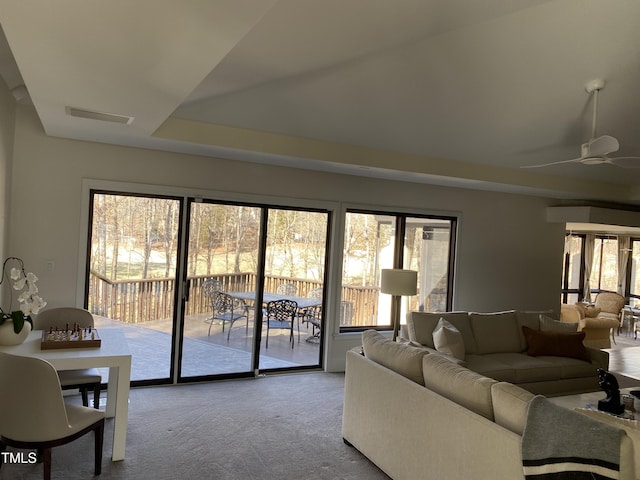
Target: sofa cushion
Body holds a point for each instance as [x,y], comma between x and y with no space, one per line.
[510,406]
[608,315]
[495,332]
[448,340]
[517,368]
[548,324]
[555,344]
[572,367]
[401,358]
[489,366]
[526,369]
[420,327]
[459,384]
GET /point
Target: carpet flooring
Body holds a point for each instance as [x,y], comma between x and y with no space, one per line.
[275,427]
[284,427]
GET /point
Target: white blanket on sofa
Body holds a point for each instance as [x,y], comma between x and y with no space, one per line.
[557,444]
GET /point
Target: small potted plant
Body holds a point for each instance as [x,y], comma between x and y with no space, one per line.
[15,325]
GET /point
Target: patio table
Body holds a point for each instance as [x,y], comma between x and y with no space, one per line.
[303,302]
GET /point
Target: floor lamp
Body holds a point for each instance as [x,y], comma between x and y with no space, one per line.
[398,283]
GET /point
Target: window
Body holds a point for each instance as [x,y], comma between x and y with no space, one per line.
[377,240]
[572,269]
[603,275]
[634,283]
[604,272]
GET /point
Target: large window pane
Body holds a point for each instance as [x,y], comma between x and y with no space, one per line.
[634,288]
[370,246]
[604,273]
[571,268]
[427,245]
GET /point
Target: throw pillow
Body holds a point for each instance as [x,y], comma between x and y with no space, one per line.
[555,344]
[401,358]
[548,324]
[591,311]
[582,308]
[448,339]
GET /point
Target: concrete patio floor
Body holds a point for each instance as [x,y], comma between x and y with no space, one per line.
[204,354]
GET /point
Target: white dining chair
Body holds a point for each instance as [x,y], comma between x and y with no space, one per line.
[85,379]
[34,415]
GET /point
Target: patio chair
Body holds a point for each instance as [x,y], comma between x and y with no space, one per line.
[281,314]
[34,415]
[310,313]
[287,289]
[210,286]
[227,309]
[313,316]
[83,380]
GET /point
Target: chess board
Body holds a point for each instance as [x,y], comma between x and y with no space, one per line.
[81,338]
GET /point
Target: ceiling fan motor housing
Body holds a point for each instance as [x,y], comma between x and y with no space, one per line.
[593,85]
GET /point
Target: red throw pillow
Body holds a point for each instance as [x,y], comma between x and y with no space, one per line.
[555,344]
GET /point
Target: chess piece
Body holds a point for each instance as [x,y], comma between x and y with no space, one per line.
[608,382]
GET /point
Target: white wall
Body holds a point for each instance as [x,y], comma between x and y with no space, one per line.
[7,121]
[508,256]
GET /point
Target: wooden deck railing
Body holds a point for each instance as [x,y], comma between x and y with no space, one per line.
[138,301]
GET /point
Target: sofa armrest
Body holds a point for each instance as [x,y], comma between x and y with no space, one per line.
[598,322]
[599,358]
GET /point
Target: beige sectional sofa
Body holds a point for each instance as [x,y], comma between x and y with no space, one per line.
[494,345]
[418,415]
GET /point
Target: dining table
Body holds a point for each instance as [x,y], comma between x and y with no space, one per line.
[112,353]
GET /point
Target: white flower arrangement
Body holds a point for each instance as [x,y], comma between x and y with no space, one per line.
[30,302]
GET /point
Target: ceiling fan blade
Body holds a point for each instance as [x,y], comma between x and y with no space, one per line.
[573,160]
[626,162]
[602,145]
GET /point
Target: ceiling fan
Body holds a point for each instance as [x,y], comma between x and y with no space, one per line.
[597,149]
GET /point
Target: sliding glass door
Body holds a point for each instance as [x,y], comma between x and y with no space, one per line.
[200,305]
[244,262]
[293,288]
[222,262]
[131,275]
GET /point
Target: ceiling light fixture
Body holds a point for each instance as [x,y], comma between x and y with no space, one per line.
[105,117]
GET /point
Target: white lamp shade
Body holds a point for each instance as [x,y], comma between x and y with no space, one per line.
[396,281]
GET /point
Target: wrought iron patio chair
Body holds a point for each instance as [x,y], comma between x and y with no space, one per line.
[227,309]
[281,314]
[311,312]
[313,317]
[287,289]
[211,285]
[85,379]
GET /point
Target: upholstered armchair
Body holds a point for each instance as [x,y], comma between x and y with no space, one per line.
[610,305]
[598,321]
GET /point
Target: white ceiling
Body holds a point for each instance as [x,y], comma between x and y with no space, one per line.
[453,92]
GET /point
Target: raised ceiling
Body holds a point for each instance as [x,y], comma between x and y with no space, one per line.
[453,92]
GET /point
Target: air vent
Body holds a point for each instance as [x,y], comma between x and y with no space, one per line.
[105,117]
